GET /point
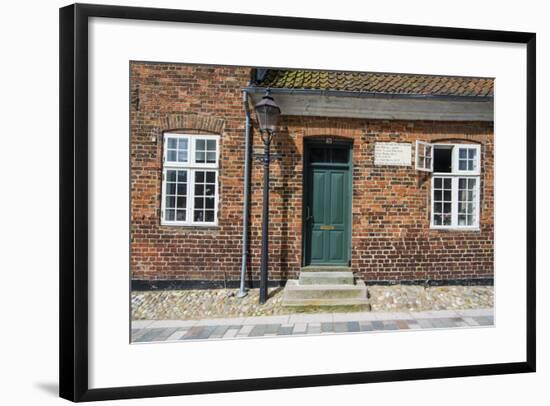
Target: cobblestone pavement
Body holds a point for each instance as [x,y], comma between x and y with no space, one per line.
[212,303]
[418,298]
[146,331]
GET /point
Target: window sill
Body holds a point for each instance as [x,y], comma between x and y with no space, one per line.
[190,227]
[451,229]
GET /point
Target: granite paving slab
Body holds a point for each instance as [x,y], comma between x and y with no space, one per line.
[219,331]
[352,326]
[284,330]
[314,328]
[366,326]
[330,324]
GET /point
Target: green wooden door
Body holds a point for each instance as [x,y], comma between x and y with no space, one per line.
[327,210]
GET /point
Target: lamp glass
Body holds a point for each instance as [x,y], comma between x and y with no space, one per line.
[267,113]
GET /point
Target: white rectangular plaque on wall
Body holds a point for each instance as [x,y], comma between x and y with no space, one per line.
[392,153]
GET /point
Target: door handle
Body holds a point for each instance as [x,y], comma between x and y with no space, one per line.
[308,214]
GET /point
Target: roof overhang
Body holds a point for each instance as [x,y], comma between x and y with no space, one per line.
[335,103]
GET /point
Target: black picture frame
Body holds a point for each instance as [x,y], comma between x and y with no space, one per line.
[74,196]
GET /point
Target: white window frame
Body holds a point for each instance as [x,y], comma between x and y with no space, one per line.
[455,175]
[431,156]
[191,167]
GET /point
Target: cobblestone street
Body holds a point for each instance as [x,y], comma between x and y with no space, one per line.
[222,303]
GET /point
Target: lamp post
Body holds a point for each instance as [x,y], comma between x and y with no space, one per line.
[267,113]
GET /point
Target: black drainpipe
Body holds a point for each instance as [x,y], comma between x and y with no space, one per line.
[246,204]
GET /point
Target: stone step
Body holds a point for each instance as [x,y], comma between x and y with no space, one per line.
[293,290]
[363,303]
[325,268]
[326,278]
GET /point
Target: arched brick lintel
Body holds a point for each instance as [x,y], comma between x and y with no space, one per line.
[171,122]
[336,131]
[476,138]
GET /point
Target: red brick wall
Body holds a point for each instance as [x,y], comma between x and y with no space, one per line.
[391,237]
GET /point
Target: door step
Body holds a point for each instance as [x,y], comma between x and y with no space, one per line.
[327,278]
[363,304]
[293,290]
[325,268]
[296,294]
[325,286]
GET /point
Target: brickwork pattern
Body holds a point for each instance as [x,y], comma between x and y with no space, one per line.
[391,237]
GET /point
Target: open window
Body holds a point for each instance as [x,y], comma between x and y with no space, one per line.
[424,156]
[455,183]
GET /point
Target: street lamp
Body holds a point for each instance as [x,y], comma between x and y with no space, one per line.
[267,113]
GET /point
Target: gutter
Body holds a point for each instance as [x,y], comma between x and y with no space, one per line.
[346,93]
[246,203]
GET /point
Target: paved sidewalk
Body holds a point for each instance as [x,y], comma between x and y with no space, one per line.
[144,331]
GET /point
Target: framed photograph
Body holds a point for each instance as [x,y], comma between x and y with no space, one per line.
[257,202]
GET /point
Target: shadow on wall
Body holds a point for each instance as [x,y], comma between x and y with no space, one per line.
[285,185]
[288,186]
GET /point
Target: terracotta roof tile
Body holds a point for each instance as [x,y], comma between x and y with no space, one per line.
[385,83]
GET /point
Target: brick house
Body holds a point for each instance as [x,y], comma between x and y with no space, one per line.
[390,175]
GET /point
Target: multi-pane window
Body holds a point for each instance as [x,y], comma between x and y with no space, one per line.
[455,186]
[442,200]
[177,149]
[467,195]
[205,196]
[190,179]
[467,158]
[455,183]
[205,151]
[175,206]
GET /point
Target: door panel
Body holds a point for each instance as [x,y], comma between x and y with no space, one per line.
[327,223]
[317,244]
[336,243]
[337,197]
[318,203]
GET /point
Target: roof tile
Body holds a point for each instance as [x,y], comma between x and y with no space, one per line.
[384,83]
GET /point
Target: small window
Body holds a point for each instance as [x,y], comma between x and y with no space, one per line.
[318,155]
[340,156]
[424,156]
[335,155]
[177,150]
[468,158]
[205,151]
[190,180]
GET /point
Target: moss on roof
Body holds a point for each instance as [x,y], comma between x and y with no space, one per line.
[384,83]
